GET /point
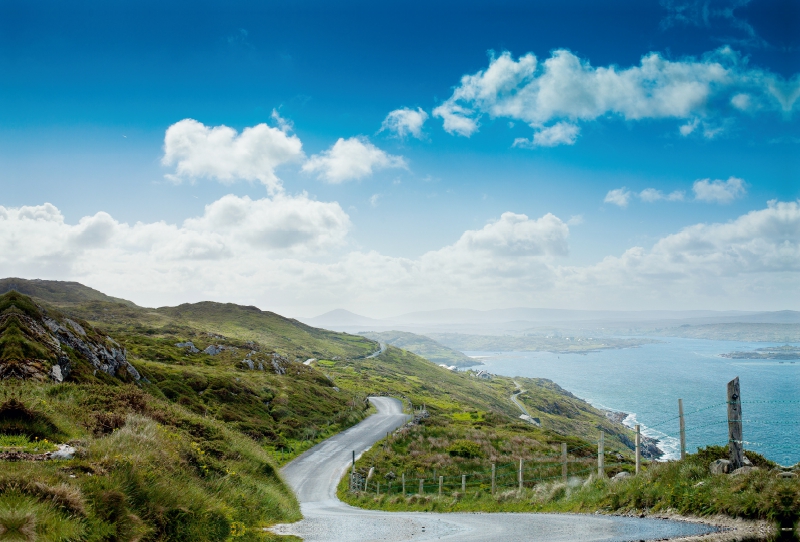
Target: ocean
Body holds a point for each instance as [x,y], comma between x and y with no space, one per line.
[646,382]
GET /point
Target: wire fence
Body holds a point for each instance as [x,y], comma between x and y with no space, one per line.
[576,462]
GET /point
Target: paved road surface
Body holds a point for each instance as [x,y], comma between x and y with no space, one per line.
[315,475]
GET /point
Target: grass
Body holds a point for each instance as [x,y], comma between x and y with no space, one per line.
[685,487]
[157,472]
[24,444]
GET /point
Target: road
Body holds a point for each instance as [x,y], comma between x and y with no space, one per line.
[380,351]
[315,474]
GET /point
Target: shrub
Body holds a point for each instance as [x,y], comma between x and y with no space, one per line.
[465,448]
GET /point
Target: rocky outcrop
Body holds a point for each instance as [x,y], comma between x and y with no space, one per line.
[38,345]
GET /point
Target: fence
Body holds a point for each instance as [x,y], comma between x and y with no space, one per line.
[569,463]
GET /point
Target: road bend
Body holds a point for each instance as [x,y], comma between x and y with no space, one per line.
[315,475]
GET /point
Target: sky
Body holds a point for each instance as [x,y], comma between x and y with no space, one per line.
[387,157]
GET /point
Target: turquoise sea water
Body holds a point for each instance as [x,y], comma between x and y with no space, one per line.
[647,382]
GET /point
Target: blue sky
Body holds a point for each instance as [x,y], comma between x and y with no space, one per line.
[542,179]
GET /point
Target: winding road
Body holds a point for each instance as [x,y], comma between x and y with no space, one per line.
[315,475]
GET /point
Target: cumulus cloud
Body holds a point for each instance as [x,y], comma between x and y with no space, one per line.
[220,153]
[349,159]
[719,191]
[404,122]
[561,133]
[565,89]
[273,252]
[619,196]
[651,194]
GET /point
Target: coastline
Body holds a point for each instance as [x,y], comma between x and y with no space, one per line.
[650,445]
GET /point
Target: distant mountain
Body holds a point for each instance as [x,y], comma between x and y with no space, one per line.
[340,317]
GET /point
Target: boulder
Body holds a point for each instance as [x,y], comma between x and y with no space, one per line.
[189,346]
[65,451]
[720,466]
[621,476]
[744,470]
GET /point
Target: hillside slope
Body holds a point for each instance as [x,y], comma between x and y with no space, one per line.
[423,346]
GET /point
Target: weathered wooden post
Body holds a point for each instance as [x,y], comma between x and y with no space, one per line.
[377,487]
[441,482]
[564,462]
[354,461]
[682,428]
[735,444]
[520,475]
[463,483]
[403,478]
[601,455]
[493,477]
[638,449]
[421,489]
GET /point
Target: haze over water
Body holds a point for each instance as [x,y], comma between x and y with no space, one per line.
[648,381]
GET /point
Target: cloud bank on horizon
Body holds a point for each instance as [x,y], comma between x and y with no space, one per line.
[282,250]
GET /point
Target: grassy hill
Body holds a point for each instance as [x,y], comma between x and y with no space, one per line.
[172,443]
[423,346]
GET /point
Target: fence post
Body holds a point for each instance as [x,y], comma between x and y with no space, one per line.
[520,474]
[638,449]
[441,481]
[354,461]
[463,483]
[377,487]
[682,428]
[421,489]
[601,455]
[403,478]
[564,462]
[735,444]
[493,477]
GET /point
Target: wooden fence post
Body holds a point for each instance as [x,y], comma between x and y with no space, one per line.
[493,478]
[638,449]
[403,478]
[463,483]
[421,489]
[564,462]
[377,487]
[601,455]
[441,481]
[682,428]
[735,444]
[520,474]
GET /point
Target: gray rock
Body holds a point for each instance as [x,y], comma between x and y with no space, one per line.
[65,451]
[720,466]
[787,474]
[260,366]
[189,346]
[55,373]
[744,470]
[621,476]
[214,349]
[248,363]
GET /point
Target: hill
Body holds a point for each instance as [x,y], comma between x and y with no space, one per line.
[423,346]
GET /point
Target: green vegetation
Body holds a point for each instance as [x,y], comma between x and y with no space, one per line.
[187,452]
[424,347]
[534,342]
[685,487]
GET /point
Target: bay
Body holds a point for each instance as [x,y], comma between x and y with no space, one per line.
[646,382]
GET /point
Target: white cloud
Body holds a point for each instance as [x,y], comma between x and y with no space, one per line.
[373,199]
[561,133]
[619,196]
[219,152]
[719,191]
[273,252]
[567,89]
[741,101]
[348,159]
[404,122]
[651,194]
